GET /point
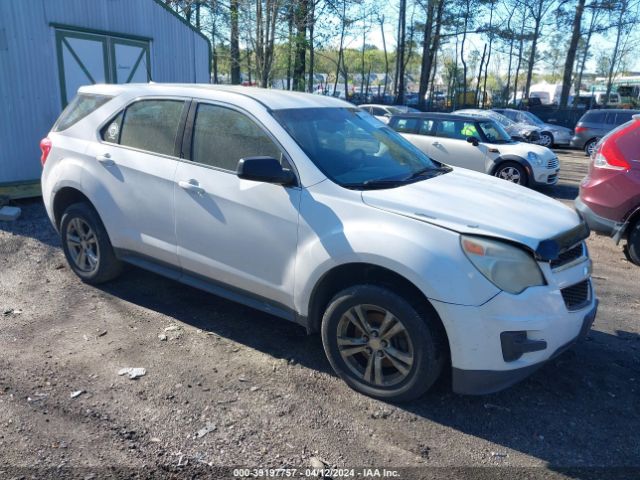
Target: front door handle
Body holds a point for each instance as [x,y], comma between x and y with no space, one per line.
[191,186]
[436,144]
[105,160]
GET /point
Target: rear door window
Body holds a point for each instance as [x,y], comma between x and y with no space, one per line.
[623,117]
[456,129]
[81,106]
[150,125]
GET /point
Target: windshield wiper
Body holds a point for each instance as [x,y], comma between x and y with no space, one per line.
[429,172]
[375,184]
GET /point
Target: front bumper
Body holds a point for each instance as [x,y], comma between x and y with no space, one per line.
[544,177]
[480,364]
[481,382]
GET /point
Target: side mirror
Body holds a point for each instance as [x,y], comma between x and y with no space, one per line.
[264,169]
[473,141]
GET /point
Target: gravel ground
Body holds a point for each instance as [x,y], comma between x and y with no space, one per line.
[233,387]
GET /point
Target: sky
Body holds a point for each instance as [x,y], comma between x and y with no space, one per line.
[476,41]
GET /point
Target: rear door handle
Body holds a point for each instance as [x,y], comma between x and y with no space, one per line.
[436,144]
[105,160]
[191,186]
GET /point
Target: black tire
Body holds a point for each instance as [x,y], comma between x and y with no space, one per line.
[632,248]
[77,220]
[590,146]
[546,139]
[420,334]
[505,169]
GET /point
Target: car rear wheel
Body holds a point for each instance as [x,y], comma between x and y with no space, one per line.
[381,345]
[632,249]
[546,140]
[590,147]
[512,172]
[87,246]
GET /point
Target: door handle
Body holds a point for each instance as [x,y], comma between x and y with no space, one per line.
[106,160]
[436,144]
[191,186]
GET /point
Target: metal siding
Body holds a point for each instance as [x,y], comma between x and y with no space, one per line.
[29,83]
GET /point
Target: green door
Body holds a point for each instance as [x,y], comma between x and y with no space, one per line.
[87,58]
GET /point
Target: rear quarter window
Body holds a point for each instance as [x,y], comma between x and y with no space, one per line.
[406,125]
[81,106]
[594,117]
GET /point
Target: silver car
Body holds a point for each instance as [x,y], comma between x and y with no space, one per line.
[550,134]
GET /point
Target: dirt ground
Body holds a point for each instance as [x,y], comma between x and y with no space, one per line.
[233,387]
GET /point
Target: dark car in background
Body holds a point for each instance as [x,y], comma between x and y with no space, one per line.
[595,124]
[610,194]
[550,134]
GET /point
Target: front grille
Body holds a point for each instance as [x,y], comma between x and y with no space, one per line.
[577,296]
[568,256]
[553,163]
[552,178]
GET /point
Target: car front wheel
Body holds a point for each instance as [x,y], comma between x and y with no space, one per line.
[546,139]
[512,172]
[87,246]
[381,345]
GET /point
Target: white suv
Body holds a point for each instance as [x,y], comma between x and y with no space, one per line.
[309,209]
[479,144]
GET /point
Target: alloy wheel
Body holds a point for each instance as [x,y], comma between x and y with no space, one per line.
[545,140]
[511,174]
[375,345]
[82,243]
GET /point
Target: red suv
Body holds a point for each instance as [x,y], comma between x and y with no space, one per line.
[610,194]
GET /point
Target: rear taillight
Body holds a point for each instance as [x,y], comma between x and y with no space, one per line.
[580,129]
[609,154]
[45,146]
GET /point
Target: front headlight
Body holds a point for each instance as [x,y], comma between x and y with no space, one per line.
[509,268]
[533,158]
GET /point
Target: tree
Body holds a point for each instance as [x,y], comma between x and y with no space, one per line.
[576,32]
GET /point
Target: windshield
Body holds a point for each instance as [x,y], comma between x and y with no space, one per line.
[354,149]
[494,132]
[531,118]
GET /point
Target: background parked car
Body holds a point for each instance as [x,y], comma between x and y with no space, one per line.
[610,194]
[384,112]
[478,143]
[550,134]
[595,124]
[522,131]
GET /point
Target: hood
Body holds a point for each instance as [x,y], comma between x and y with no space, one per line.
[525,127]
[479,204]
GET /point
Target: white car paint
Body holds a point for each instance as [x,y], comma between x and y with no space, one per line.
[278,242]
[484,157]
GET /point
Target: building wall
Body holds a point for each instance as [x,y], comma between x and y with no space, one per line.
[30,98]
